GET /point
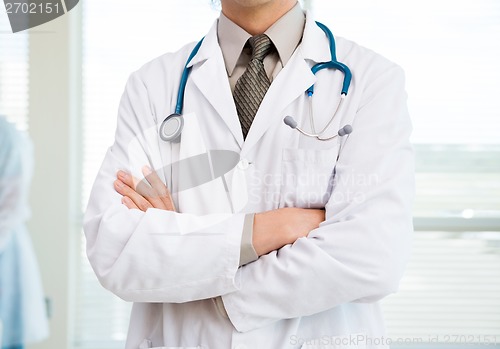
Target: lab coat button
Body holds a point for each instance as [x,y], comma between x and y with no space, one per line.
[243,165]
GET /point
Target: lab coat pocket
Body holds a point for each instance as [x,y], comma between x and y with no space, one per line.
[307,177]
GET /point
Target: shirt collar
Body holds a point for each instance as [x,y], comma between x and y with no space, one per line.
[285,33]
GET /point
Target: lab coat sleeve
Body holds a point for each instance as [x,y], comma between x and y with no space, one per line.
[157,255]
[11,183]
[359,252]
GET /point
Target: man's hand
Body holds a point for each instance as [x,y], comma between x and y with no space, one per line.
[277,228]
[151,192]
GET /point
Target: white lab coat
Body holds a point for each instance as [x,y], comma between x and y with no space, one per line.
[320,292]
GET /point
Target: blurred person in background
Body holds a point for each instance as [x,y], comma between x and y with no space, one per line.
[23,317]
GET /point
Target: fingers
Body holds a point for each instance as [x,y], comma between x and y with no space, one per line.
[159,187]
[129,203]
[126,191]
[140,193]
[145,190]
[126,179]
[150,192]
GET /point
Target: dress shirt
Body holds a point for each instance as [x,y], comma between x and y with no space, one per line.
[285,34]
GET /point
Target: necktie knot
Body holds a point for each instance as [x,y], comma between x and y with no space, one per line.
[261,46]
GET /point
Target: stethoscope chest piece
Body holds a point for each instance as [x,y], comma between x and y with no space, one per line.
[171,128]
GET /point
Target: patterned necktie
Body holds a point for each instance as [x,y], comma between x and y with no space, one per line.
[252,86]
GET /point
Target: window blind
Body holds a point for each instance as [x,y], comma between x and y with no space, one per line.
[450,293]
[14,74]
[449,51]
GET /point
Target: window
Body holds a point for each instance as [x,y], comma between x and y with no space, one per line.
[449,51]
[13,74]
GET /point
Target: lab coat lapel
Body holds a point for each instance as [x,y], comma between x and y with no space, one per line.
[292,82]
[210,76]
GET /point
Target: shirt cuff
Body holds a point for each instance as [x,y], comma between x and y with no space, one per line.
[247,252]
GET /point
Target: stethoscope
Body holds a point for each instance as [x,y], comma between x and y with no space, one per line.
[171,128]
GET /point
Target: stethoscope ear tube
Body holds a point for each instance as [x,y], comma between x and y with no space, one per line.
[344,131]
[333,64]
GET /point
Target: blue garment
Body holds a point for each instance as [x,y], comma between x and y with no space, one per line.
[10,302]
[22,305]
[14,347]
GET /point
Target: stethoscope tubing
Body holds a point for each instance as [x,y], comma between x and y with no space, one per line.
[184,77]
[332,64]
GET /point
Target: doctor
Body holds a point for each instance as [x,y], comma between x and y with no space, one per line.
[294,244]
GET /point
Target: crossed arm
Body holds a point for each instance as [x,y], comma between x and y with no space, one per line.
[271,231]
